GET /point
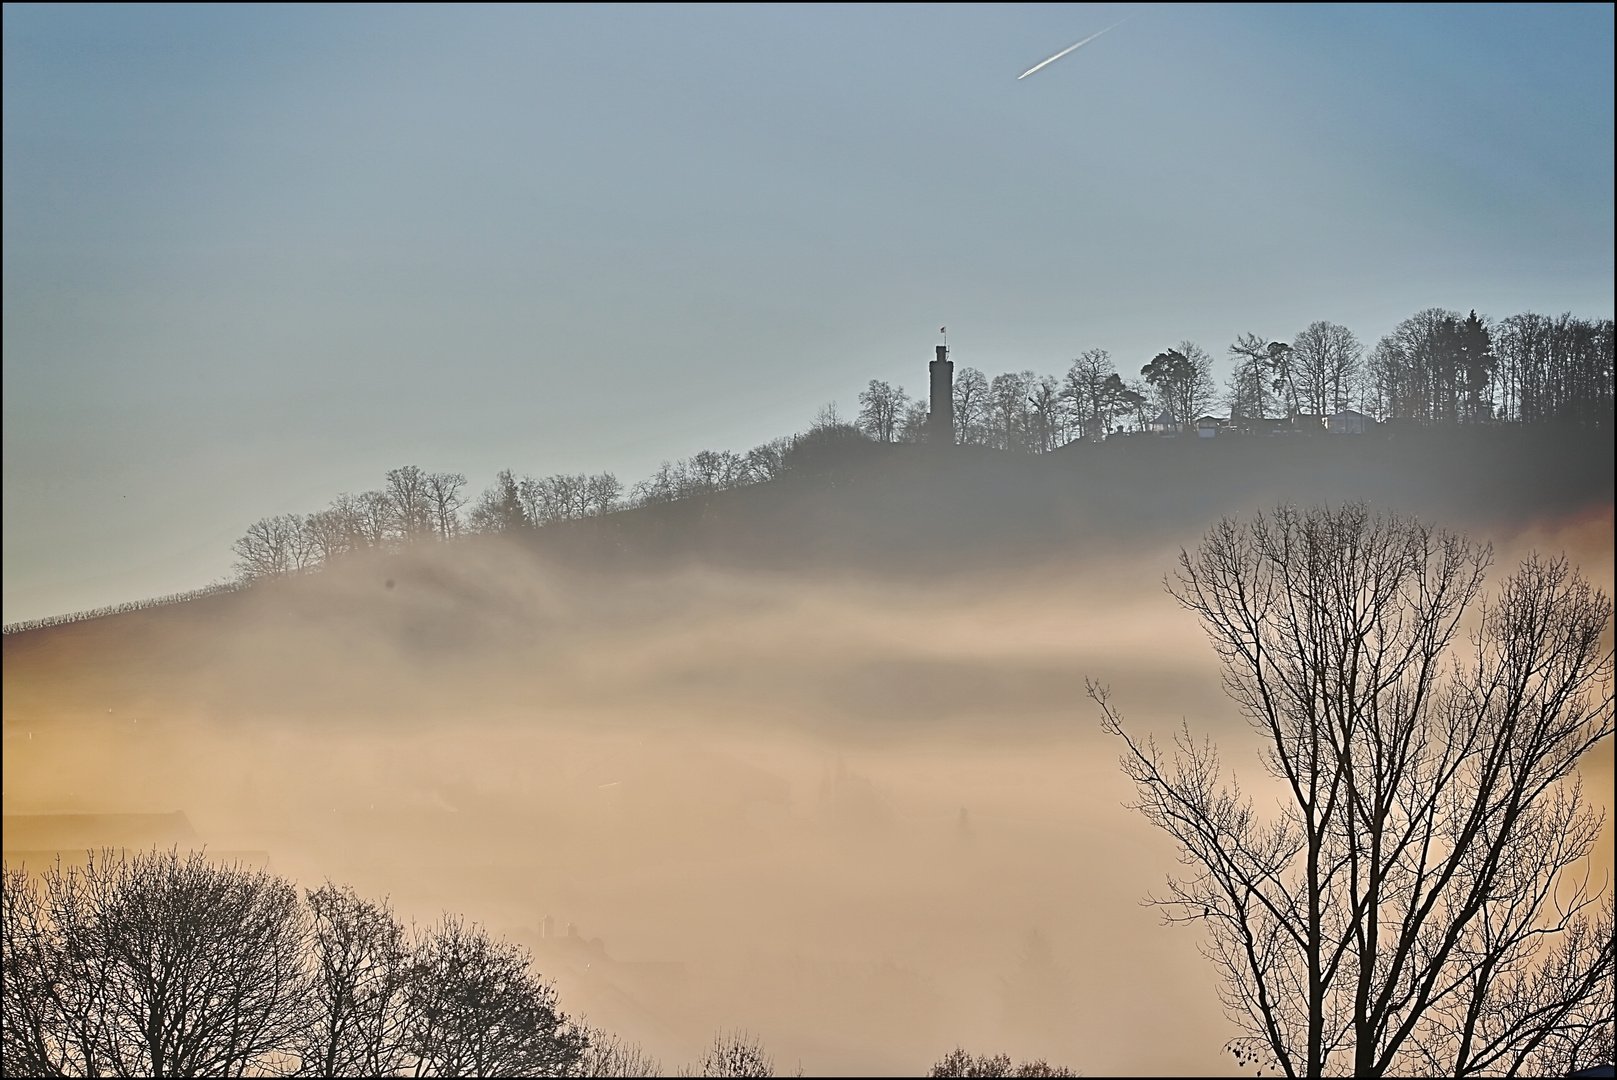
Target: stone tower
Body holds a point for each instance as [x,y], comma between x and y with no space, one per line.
[940,421]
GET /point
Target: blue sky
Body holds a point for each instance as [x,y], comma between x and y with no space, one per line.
[254,256]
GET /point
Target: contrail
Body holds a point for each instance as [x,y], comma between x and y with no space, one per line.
[1064,52]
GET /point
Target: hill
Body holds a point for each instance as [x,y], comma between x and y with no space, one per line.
[869,511]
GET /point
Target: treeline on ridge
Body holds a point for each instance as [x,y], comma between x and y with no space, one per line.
[1435,368]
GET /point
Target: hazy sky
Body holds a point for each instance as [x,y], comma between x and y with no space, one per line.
[256,256]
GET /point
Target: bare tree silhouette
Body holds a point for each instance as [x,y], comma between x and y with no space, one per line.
[609,1055]
[358,987]
[151,964]
[158,964]
[1417,906]
[881,411]
[960,1062]
[476,1009]
[736,1054]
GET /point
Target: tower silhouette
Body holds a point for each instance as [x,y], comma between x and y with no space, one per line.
[940,421]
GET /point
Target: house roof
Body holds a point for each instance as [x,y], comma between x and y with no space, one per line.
[1165,418]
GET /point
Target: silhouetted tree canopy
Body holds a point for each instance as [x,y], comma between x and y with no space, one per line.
[158,964]
[959,1062]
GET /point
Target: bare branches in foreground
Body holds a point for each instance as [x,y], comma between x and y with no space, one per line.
[158,964]
[959,1062]
[155,965]
[1422,902]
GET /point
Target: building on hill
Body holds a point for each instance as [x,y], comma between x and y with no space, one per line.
[1307,423]
[1208,426]
[1164,424]
[1253,425]
[1348,422]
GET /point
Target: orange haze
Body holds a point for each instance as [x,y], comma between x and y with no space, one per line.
[866,818]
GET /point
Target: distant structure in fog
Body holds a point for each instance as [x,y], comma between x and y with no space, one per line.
[940,421]
[1348,422]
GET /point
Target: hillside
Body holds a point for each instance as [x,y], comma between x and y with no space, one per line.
[814,753]
[896,513]
[903,508]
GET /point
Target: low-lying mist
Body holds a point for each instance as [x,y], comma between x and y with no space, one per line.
[866,817]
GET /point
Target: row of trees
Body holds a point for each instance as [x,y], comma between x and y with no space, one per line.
[714,470]
[960,1062]
[1435,367]
[1017,410]
[512,503]
[1551,369]
[157,964]
[414,506]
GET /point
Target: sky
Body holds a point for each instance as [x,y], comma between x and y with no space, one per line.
[256,256]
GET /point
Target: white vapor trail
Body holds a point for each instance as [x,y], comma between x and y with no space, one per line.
[1065,51]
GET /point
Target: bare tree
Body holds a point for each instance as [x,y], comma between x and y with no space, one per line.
[1049,417]
[960,1062]
[476,1009]
[349,511]
[377,518]
[328,534]
[53,1021]
[152,965]
[499,509]
[737,1054]
[1416,907]
[554,498]
[1006,412]
[1251,389]
[970,406]
[1435,367]
[274,547]
[1137,403]
[605,1054]
[1282,372]
[601,494]
[1183,380]
[1553,368]
[358,987]
[444,502]
[912,427]
[409,495]
[1326,362]
[881,410]
[163,965]
[1096,391]
[767,461]
[717,470]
